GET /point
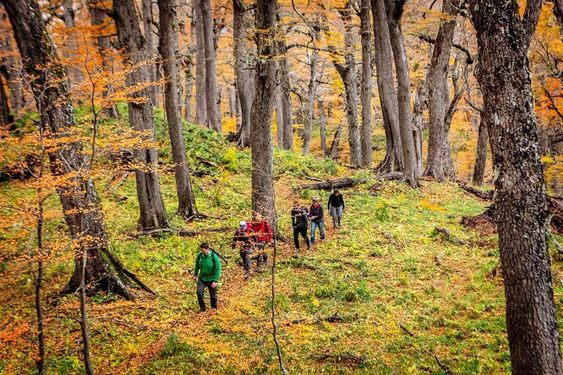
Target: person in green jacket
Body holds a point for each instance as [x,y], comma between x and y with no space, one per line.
[207,274]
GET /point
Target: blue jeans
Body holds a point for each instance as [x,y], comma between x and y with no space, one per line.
[321,226]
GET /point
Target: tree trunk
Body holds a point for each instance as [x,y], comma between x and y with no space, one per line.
[71,49]
[279,117]
[438,93]
[98,17]
[311,94]
[366,157]
[211,96]
[285,87]
[188,84]
[394,14]
[200,94]
[168,39]
[81,206]
[5,117]
[152,213]
[154,92]
[520,209]
[418,124]
[348,74]
[10,68]
[333,151]
[322,119]
[244,77]
[387,93]
[261,116]
[481,157]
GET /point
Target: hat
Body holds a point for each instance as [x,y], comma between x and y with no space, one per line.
[316,198]
[242,223]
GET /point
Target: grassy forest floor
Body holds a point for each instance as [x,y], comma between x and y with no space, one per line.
[384,294]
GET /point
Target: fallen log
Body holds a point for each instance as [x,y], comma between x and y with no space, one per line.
[390,176]
[487,195]
[178,232]
[331,184]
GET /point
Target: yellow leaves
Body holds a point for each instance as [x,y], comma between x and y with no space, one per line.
[428,205]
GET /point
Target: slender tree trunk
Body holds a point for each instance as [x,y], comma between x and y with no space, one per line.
[79,200]
[152,213]
[366,157]
[311,94]
[520,210]
[84,323]
[438,93]
[261,116]
[154,92]
[98,17]
[244,77]
[188,83]
[72,46]
[387,93]
[394,14]
[481,157]
[168,40]
[418,125]
[333,151]
[211,96]
[5,117]
[201,101]
[322,119]
[279,117]
[10,67]
[285,87]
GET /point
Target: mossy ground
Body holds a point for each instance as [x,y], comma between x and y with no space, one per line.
[402,294]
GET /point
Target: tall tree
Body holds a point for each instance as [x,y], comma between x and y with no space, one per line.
[168,39]
[211,95]
[438,93]
[244,75]
[10,68]
[387,93]
[365,29]
[261,115]
[79,200]
[348,74]
[311,89]
[285,86]
[200,91]
[152,213]
[322,125]
[148,20]
[394,15]
[71,49]
[519,207]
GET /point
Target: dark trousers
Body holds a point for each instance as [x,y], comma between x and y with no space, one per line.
[201,285]
[303,232]
[246,261]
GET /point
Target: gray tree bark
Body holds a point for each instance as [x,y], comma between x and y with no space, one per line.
[279,117]
[168,39]
[188,84]
[71,49]
[481,152]
[154,91]
[418,124]
[261,115]
[200,90]
[79,200]
[322,121]
[211,95]
[311,94]
[438,93]
[285,87]
[519,207]
[152,213]
[10,67]
[365,29]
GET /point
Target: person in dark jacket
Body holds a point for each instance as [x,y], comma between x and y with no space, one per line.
[300,223]
[245,238]
[336,207]
[316,214]
[207,273]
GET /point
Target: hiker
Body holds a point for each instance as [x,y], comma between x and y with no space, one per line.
[300,222]
[263,232]
[316,214]
[336,207]
[207,274]
[244,237]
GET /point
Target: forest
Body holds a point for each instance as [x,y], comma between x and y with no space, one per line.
[355,186]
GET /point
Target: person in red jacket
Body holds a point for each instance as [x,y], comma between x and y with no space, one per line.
[264,235]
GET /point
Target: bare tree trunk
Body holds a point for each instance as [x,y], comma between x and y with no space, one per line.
[84,323]
[333,151]
[10,67]
[152,213]
[322,119]
[311,93]
[366,157]
[98,17]
[394,14]
[348,74]
[261,116]
[285,87]
[79,200]
[438,93]
[279,117]
[168,40]
[211,96]
[481,157]
[5,117]
[188,83]
[154,92]
[418,124]
[72,46]
[244,77]
[519,207]
[387,93]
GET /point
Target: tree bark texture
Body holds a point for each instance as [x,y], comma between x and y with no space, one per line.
[211,95]
[200,93]
[152,213]
[438,93]
[78,197]
[520,209]
[98,19]
[365,26]
[387,93]
[261,116]
[311,94]
[10,67]
[285,87]
[154,92]
[418,124]
[244,70]
[168,39]
[279,117]
[481,154]
[188,87]
[5,117]
[322,125]
[394,14]
[71,50]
